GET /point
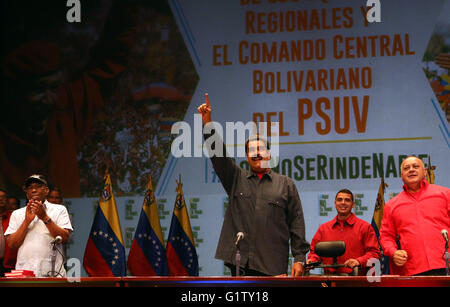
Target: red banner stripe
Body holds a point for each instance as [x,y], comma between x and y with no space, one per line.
[138,263]
[176,267]
[93,262]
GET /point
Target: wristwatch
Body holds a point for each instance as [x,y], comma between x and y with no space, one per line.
[48,221]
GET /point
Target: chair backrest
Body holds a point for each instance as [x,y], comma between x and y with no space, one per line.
[330,248]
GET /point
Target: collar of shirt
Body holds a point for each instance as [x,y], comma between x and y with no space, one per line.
[423,184]
[350,221]
[268,173]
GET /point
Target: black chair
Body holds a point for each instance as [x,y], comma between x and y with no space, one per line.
[329,249]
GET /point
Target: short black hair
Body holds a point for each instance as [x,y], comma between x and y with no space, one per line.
[256,137]
[346,191]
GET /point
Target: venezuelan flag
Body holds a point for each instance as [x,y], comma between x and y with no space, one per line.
[147,254]
[105,252]
[181,254]
[376,223]
[379,208]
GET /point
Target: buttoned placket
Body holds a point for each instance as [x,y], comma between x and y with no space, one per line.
[251,246]
[338,224]
[416,197]
[258,194]
[341,224]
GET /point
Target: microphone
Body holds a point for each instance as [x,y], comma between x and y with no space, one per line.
[56,240]
[444,233]
[239,237]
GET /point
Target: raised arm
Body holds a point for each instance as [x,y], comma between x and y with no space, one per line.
[224,166]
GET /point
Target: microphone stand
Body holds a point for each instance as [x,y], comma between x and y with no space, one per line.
[238,260]
[53,273]
[446,256]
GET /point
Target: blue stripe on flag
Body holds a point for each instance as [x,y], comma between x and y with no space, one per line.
[183,247]
[150,245]
[375,228]
[384,260]
[108,244]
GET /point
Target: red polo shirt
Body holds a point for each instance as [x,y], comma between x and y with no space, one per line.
[9,259]
[417,218]
[360,242]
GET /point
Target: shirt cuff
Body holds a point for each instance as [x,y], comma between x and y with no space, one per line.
[390,251]
[362,261]
[300,258]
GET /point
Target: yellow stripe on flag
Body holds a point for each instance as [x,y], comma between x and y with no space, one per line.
[151,210]
[181,211]
[379,206]
[108,205]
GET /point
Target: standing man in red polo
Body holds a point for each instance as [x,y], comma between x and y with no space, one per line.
[416,215]
[360,240]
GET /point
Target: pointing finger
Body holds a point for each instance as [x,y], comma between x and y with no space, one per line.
[207,100]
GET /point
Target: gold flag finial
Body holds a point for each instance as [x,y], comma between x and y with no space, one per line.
[430,171]
[384,185]
[179,184]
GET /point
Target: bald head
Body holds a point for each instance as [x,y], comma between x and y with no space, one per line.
[413,171]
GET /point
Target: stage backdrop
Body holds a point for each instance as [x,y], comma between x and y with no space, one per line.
[352,97]
[354,90]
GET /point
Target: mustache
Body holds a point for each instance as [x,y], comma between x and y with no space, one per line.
[257,157]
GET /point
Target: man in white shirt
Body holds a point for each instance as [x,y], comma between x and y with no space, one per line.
[33,228]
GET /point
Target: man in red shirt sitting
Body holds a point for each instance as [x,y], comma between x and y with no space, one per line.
[360,240]
[416,215]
